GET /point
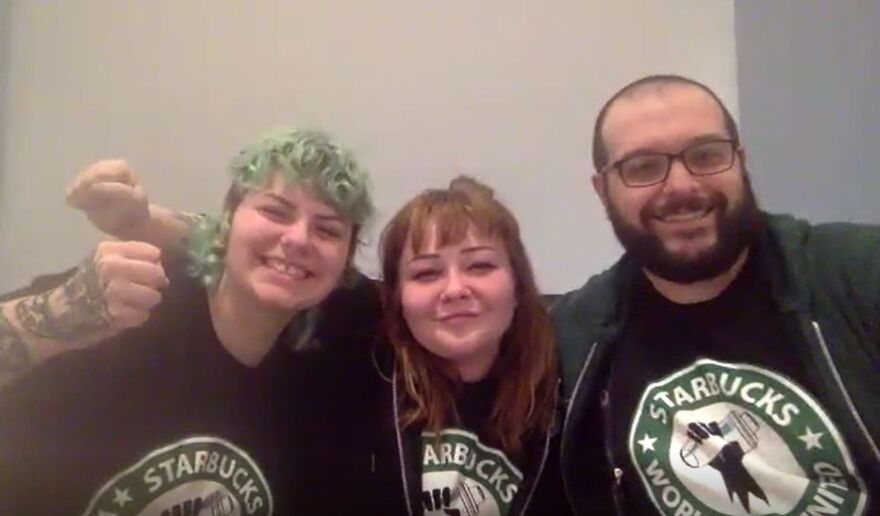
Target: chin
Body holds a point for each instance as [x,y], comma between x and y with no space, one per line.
[463,348]
[451,349]
[279,299]
[690,251]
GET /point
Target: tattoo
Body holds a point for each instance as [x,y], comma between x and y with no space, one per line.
[14,357]
[74,310]
[189,218]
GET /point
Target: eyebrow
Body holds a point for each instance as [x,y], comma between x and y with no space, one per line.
[330,217]
[710,137]
[466,250]
[279,199]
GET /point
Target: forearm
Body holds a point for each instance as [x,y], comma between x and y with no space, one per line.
[37,327]
[165,228]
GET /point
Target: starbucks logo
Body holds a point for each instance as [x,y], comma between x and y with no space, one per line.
[717,438]
[195,476]
[463,477]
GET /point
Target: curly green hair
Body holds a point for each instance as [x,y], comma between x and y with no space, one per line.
[300,156]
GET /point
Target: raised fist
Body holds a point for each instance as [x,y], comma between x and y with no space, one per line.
[111,197]
[131,278]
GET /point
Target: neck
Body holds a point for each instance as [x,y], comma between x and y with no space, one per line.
[476,368]
[244,328]
[698,291]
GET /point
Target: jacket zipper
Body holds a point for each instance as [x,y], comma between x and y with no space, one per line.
[566,422]
[605,403]
[538,474]
[400,453]
[849,403]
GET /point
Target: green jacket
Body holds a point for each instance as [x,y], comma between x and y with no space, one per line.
[825,280]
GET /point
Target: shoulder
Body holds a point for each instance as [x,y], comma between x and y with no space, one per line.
[351,315]
[590,300]
[837,263]
[599,306]
[825,240]
[584,317]
[837,250]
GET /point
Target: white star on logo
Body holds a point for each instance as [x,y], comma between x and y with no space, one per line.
[122,497]
[647,443]
[811,439]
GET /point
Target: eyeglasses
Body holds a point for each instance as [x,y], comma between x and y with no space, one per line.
[700,159]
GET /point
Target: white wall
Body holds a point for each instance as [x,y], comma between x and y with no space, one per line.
[503,89]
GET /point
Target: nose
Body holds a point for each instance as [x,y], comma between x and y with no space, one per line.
[455,287]
[296,239]
[679,178]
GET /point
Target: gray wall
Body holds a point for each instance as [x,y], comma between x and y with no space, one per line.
[808,74]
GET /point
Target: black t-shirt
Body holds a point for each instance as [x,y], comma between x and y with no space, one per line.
[710,409]
[162,420]
[462,471]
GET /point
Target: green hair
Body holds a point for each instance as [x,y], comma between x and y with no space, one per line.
[300,156]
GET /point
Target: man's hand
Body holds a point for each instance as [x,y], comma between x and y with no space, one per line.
[111,197]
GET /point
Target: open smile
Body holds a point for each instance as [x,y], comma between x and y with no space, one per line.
[287,269]
[685,216]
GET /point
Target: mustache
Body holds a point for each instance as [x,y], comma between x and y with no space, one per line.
[683,203]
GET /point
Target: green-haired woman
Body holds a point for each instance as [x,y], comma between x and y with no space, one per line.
[192,412]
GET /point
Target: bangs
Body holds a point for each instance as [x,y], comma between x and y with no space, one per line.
[450,217]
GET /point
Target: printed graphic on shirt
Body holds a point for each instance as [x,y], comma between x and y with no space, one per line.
[462,477]
[718,438]
[195,476]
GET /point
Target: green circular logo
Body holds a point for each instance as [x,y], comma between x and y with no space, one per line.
[198,475]
[717,438]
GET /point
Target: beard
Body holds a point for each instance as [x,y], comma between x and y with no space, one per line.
[736,229]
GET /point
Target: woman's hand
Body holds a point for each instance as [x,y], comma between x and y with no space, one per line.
[109,193]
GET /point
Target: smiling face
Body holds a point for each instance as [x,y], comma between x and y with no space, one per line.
[686,228]
[458,300]
[287,248]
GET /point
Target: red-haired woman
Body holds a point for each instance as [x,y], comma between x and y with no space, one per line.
[474,374]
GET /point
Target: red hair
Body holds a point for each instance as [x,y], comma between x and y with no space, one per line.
[526,389]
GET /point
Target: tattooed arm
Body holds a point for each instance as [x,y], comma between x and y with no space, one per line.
[114,289]
[14,355]
[165,228]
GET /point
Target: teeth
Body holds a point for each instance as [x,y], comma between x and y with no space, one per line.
[285,268]
[685,216]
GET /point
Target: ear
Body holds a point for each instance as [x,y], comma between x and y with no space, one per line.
[600,186]
[742,155]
